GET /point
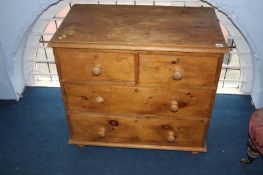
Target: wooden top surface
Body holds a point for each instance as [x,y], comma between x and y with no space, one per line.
[159,28]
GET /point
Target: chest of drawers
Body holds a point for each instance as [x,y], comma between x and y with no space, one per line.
[139,76]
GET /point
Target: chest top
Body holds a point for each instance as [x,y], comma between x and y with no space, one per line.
[159,28]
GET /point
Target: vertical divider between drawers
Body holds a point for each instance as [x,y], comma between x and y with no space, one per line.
[136,68]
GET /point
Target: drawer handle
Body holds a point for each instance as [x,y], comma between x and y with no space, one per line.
[177,75]
[101,132]
[99,99]
[96,71]
[170,136]
[174,106]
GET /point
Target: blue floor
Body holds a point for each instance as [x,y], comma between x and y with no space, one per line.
[34,137]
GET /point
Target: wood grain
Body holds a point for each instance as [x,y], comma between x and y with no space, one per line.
[138,100]
[77,65]
[196,70]
[142,146]
[140,28]
[138,131]
[139,76]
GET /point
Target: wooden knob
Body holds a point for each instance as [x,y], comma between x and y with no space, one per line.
[96,71]
[174,106]
[170,137]
[177,75]
[101,132]
[99,99]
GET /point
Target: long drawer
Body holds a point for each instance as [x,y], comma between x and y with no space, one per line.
[155,131]
[166,101]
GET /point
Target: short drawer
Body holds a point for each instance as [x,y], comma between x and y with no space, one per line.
[131,100]
[183,69]
[83,65]
[158,131]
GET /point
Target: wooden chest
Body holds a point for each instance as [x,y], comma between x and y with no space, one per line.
[139,76]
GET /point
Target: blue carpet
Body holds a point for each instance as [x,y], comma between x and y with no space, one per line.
[34,137]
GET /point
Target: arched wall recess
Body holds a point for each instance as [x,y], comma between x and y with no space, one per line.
[237,70]
[39,68]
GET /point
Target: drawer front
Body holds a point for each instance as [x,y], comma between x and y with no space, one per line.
[158,131]
[190,70]
[139,100]
[82,65]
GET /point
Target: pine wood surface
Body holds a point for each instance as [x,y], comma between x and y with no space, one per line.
[140,28]
[114,66]
[158,69]
[139,76]
[158,131]
[138,100]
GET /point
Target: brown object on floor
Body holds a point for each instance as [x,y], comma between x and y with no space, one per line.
[139,76]
[255,141]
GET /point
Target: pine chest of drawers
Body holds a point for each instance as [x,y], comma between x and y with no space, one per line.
[139,76]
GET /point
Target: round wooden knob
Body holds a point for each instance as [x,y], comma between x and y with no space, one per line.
[99,99]
[170,137]
[96,71]
[101,132]
[174,106]
[177,75]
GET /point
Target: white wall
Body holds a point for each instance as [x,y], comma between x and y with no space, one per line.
[16,16]
[5,82]
[247,14]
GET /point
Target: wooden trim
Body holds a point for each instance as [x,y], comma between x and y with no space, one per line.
[218,71]
[219,66]
[57,62]
[127,145]
[131,83]
[63,92]
[136,68]
[204,118]
[59,75]
[103,83]
[138,48]
[151,52]
[206,131]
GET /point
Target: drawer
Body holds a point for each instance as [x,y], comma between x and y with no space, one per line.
[184,69]
[83,65]
[166,101]
[158,131]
